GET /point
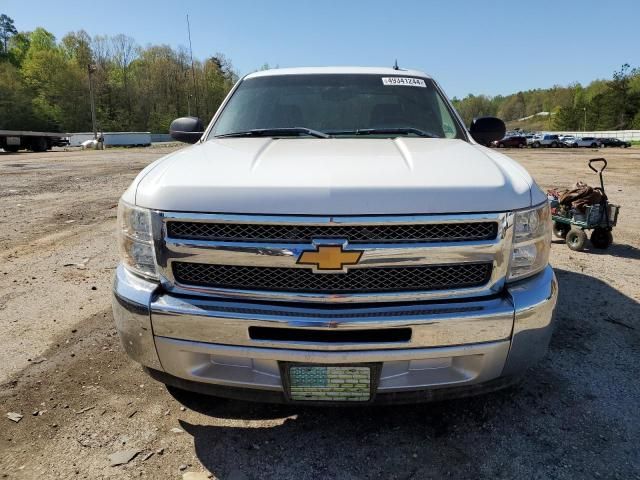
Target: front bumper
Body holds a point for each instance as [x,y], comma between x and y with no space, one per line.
[455,346]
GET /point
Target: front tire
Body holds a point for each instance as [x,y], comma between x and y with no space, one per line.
[576,239]
[601,238]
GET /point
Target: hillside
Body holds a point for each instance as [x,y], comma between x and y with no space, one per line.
[612,104]
[533,123]
[44,82]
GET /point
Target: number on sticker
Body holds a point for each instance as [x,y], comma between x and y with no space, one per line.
[404,81]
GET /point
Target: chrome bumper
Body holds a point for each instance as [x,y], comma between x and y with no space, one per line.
[454,343]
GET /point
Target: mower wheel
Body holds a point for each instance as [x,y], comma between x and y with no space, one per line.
[576,239]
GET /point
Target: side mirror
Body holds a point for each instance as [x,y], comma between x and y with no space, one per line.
[186,129]
[485,130]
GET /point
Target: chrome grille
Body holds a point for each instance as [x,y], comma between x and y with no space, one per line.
[358,280]
[300,233]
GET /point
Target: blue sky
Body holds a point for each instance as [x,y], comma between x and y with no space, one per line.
[492,47]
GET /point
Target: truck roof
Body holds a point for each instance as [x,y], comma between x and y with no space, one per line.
[337,70]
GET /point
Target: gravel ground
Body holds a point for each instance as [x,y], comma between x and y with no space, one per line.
[576,415]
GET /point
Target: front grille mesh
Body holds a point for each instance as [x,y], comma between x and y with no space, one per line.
[359,280]
[386,233]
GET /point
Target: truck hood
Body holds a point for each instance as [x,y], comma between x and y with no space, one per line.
[334,177]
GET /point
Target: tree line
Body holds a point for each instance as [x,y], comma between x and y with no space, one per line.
[44,83]
[612,104]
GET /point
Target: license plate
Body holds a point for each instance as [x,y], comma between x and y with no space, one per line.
[328,383]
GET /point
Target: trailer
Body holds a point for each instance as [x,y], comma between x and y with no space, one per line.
[14,140]
[113,139]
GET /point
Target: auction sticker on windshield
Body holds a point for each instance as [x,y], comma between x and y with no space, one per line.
[404,82]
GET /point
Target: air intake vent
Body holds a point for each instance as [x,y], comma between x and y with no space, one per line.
[383,335]
[357,280]
[388,233]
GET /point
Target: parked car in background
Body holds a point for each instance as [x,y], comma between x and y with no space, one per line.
[592,142]
[546,140]
[511,141]
[568,140]
[614,142]
[529,137]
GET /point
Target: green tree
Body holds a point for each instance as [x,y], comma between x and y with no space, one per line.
[16,102]
[41,40]
[473,106]
[7,30]
[77,47]
[18,48]
[622,108]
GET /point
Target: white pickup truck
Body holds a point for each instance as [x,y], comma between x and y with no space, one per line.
[335,235]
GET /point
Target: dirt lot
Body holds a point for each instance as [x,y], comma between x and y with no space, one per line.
[576,415]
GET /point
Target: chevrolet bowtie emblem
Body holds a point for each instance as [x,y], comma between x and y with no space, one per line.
[329,257]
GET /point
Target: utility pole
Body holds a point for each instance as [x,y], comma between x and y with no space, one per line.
[585,119]
[91,68]
[193,70]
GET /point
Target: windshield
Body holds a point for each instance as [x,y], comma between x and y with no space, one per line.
[338,105]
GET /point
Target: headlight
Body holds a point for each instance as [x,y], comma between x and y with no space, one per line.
[135,239]
[531,242]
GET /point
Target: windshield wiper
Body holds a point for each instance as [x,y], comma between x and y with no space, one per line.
[382,131]
[275,132]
